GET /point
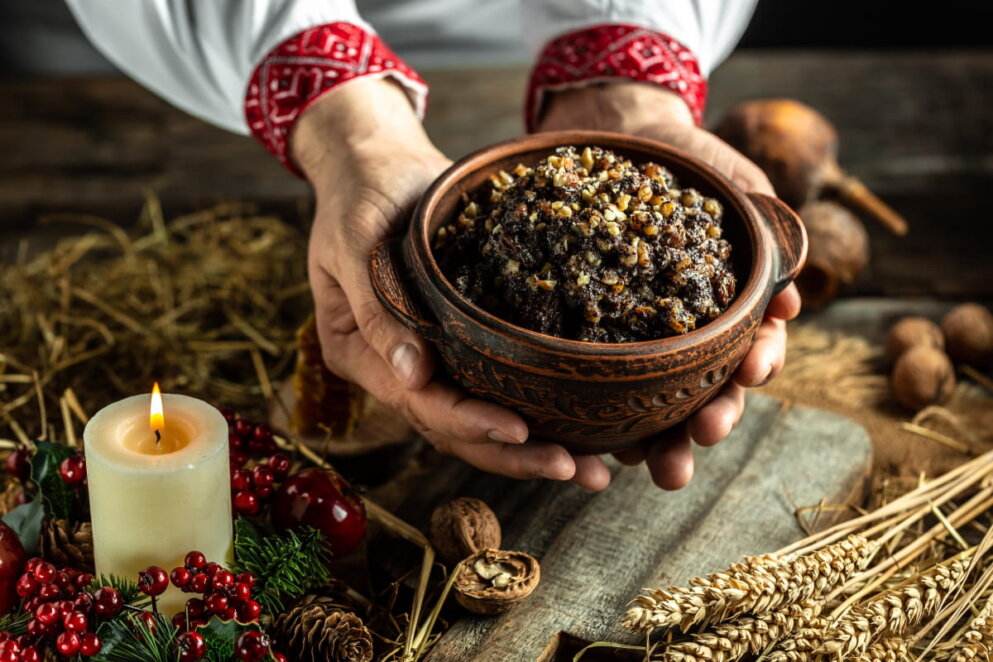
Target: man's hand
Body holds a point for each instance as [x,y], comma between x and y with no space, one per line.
[654,112]
[369,160]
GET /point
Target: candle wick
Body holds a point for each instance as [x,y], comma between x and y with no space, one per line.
[158,436]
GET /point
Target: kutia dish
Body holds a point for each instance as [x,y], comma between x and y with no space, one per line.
[594,397]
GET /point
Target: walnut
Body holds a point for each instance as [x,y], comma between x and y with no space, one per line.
[910,332]
[492,581]
[969,334]
[923,376]
[462,527]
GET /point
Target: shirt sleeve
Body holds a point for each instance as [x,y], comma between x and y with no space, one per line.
[249,66]
[673,43]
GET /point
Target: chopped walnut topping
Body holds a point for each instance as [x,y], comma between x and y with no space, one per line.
[587,245]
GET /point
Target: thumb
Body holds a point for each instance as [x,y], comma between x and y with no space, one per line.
[409,356]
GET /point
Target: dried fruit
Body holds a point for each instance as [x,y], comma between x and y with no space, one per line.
[492,581]
[968,332]
[462,527]
[923,376]
[910,332]
[839,250]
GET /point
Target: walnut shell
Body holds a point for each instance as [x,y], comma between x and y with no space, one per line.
[923,376]
[838,251]
[911,332]
[968,332]
[462,527]
[492,581]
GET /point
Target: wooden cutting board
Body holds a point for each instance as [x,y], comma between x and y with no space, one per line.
[598,550]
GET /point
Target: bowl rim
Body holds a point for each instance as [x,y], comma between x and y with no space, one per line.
[757,285]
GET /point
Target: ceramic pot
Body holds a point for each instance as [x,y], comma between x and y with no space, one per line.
[591,397]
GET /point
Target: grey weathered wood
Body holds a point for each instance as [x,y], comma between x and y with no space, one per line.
[598,550]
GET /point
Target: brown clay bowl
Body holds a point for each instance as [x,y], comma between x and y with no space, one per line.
[591,397]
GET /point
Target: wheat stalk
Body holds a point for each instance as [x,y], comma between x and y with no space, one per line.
[757,585]
[744,636]
[978,639]
[891,613]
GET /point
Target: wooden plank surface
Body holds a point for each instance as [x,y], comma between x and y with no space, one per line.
[598,550]
[914,126]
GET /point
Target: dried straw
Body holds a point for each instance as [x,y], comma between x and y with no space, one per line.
[207,304]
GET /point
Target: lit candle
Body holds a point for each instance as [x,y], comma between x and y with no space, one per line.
[159,485]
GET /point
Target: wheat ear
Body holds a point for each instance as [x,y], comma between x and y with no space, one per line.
[977,642]
[891,649]
[749,635]
[757,585]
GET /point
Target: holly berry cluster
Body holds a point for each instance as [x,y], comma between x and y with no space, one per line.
[222,594]
[251,488]
[62,610]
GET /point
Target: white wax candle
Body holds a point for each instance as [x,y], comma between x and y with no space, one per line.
[152,501]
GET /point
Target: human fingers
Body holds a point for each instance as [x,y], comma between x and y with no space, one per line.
[785,305]
[535,459]
[670,459]
[591,472]
[717,418]
[766,356]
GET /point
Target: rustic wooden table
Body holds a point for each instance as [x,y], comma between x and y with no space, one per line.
[914,127]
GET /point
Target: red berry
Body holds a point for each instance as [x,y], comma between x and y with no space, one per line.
[108,602]
[216,603]
[22,498]
[44,573]
[279,463]
[75,621]
[238,459]
[33,563]
[150,622]
[251,646]
[30,604]
[153,580]
[90,644]
[279,657]
[241,480]
[212,569]
[195,608]
[68,643]
[82,580]
[222,580]
[245,578]
[192,646]
[229,614]
[179,621]
[263,493]
[26,585]
[324,500]
[10,651]
[199,583]
[227,413]
[73,470]
[83,603]
[30,654]
[49,592]
[46,613]
[249,611]
[18,464]
[241,591]
[262,476]
[35,628]
[246,503]
[195,560]
[243,428]
[180,577]
[235,442]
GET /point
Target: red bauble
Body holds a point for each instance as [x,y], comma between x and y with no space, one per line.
[12,560]
[323,500]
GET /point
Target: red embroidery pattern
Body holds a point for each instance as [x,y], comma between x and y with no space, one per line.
[609,52]
[309,64]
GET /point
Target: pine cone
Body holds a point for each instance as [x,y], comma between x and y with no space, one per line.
[318,629]
[68,545]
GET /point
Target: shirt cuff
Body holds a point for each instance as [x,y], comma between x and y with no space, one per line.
[607,53]
[310,64]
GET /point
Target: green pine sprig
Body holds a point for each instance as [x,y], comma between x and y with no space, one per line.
[286,567]
[128,639]
[15,622]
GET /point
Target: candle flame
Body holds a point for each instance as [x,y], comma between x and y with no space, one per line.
[156,417]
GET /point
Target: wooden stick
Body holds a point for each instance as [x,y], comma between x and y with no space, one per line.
[855,195]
